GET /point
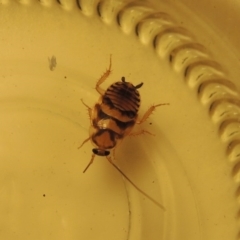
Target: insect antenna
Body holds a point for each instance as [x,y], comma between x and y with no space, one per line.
[91,161]
[134,185]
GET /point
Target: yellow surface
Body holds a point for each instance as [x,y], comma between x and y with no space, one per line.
[51,57]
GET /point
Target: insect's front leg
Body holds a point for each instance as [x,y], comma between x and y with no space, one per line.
[140,132]
[86,140]
[103,78]
[115,148]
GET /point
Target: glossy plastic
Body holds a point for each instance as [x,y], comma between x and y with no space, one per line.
[52,54]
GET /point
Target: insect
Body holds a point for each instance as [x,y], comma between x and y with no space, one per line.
[113,118]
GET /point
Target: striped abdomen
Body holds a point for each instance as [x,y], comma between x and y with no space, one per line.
[123,97]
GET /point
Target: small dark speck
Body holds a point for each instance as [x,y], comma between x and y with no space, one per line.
[44,195]
[150,123]
[52,63]
[65,77]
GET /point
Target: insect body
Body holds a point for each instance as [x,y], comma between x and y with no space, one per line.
[113,118]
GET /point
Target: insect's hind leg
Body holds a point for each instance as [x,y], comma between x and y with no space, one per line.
[144,118]
[103,78]
[149,112]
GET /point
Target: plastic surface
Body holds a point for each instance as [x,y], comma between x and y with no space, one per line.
[52,54]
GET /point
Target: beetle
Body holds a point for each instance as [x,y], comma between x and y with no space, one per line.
[113,118]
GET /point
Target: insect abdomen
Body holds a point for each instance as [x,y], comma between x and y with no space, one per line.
[123,96]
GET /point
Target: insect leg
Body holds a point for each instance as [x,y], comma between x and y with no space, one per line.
[86,140]
[142,131]
[134,185]
[149,112]
[103,78]
[91,161]
[88,108]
